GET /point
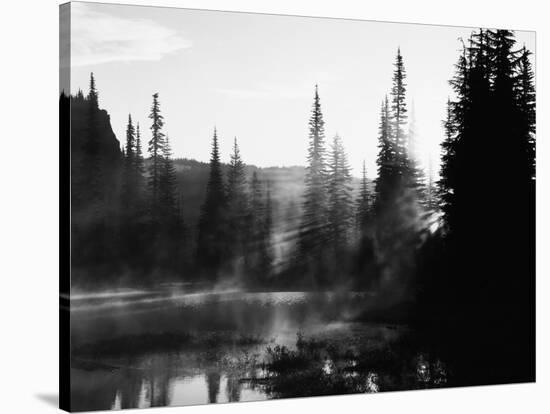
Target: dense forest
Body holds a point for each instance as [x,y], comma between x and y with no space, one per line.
[130,218]
[454,252]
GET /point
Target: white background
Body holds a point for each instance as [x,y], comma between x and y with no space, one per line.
[29,204]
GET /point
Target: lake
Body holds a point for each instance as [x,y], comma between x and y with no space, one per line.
[173,346]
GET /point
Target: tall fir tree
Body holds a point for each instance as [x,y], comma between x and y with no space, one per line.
[446,183]
[314,218]
[167,186]
[396,231]
[267,256]
[236,192]
[236,179]
[340,199]
[155,149]
[386,161]
[139,162]
[259,257]
[399,115]
[131,201]
[129,181]
[526,101]
[92,174]
[211,242]
[504,107]
[363,203]
[93,94]
[130,147]
[365,263]
[488,211]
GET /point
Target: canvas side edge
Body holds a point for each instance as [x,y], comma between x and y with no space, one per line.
[64,206]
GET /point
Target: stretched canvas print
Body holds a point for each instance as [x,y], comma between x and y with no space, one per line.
[258,206]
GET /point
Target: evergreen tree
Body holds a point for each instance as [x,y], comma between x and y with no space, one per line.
[155,148]
[312,229]
[95,177]
[129,173]
[526,101]
[236,205]
[504,105]
[467,131]
[340,199]
[259,257]
[92,94]
[256,212]
[236,179]
[267,256]
[212,224]
[138,160]
[399,115]
[167,186]
[130,148]
[488,206]
[131,207]
[448,160]
[365,263]
[396,232]
[525,91]
[386,161]
[362,204]
[92,174]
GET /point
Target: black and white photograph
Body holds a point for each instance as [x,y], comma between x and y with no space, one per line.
[259,206]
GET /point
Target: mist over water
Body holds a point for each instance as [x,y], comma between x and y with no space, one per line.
[162,347]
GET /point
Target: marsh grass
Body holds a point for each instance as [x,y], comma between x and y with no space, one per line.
[338,366]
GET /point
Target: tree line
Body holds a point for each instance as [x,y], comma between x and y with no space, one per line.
[235,224]
[127,211]
[367,239]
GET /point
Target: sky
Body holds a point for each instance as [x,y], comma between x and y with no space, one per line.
[252,76]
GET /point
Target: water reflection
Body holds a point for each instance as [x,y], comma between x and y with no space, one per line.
[227,363]
[168,379]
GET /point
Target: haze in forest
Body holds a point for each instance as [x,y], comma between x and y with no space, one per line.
[190,254]
[253,76]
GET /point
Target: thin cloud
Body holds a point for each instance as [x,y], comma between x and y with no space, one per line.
[99,37]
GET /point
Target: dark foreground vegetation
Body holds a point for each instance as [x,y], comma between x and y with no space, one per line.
[332,366]
[350,360]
